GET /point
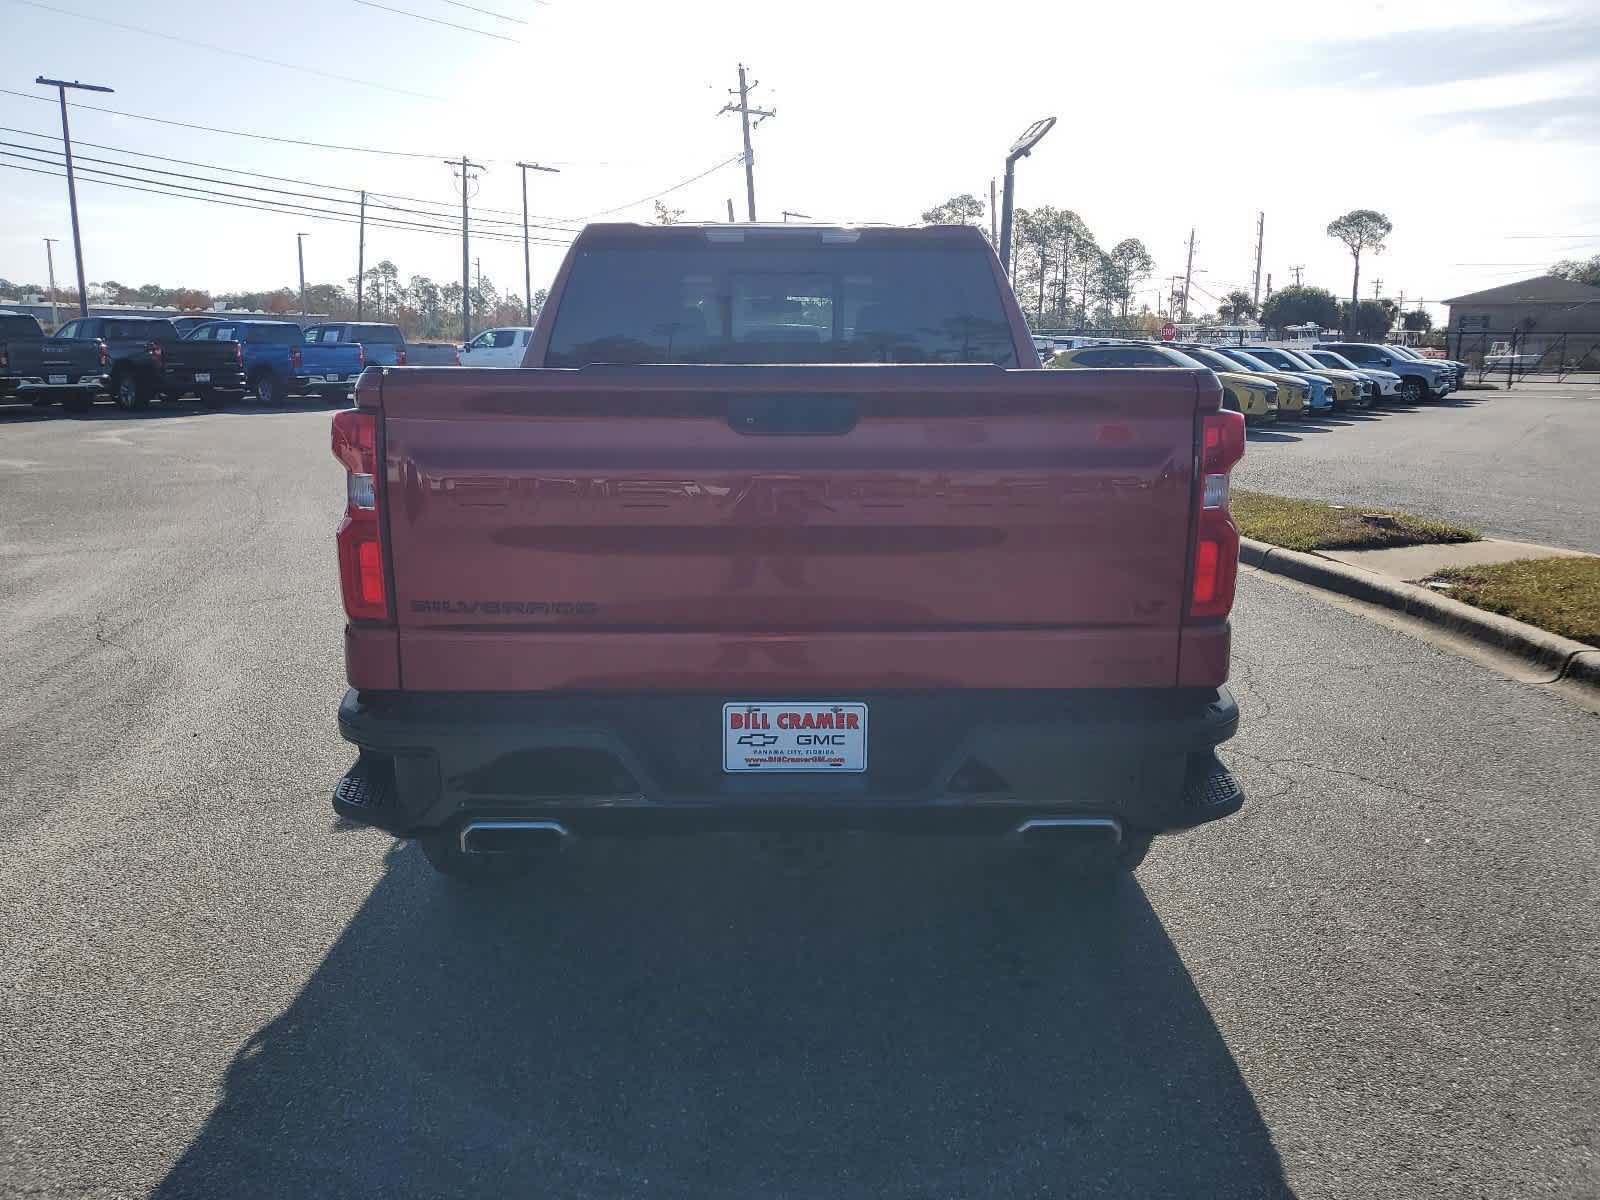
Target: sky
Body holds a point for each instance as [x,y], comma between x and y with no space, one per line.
[1474,126]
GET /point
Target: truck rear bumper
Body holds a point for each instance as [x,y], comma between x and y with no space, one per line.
[974,763]
[41,385]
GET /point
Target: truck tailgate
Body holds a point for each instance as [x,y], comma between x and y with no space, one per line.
[812,526]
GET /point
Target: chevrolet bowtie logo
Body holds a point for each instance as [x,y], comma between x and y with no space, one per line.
[757,740]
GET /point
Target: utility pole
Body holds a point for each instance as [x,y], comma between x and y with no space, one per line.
[466,166]
[50,265]
[730,210]
[300,252]
[1261,230]
[1296,269]
[1377,284]
[1066,245]
[61,86]
[477,268]
[1269,285]
[745,113]
[994,217]
[527,258]
[361,254]
[1041,280]
[1188,273]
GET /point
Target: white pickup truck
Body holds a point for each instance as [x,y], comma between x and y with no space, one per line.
[503,347]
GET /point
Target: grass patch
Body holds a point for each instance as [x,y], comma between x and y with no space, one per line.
[1561,595]
[1312,525]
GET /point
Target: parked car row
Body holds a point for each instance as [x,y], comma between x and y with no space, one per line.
[1268,383]
[135,360]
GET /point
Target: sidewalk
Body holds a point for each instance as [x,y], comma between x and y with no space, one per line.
[1415,563]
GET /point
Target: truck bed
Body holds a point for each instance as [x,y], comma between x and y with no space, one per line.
[814,527]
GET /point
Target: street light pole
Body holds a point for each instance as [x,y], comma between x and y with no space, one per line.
[300,250]
[787,213]
[50,265]
[1020,148]
[527,256]
[61,86]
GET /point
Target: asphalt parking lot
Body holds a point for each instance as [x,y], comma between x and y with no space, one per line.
[1382,978]
[1518,464]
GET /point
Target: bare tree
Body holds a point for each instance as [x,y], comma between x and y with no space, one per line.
[1360,229]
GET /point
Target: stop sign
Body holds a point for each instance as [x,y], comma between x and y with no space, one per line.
[1168,332]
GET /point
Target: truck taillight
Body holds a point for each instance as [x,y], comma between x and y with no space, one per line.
[361,356]
[458,356]
[238,353]
[400,357]
[1216,547]
[295,357]
[105,353]
[360,538]
[155,352]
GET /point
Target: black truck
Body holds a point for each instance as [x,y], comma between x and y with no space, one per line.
[148,358]
[35,369]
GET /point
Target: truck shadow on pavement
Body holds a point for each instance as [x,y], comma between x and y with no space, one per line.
[692,1021]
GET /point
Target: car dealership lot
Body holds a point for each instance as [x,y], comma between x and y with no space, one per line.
[1380,978]
[1517,464]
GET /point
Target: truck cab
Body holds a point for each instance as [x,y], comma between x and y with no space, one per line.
[503,347]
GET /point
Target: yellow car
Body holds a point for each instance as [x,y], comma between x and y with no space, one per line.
[1349,389]
[1294,393]
[1246,394]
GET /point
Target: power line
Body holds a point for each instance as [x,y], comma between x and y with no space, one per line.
[215,49]
[338,187]
[227,200]
[405,212]
[437,21]
[489,13]
[553,222]
[429,155]
[259,137]
[657,195]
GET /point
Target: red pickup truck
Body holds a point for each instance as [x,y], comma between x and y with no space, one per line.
[785,528]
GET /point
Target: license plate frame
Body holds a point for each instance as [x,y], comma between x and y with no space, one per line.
[56,380]
[812,737]
[202,376]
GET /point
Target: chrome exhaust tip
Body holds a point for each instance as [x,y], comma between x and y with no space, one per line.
[1104,832]
[512,837]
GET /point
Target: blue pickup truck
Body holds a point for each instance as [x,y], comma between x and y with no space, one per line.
[385,345]
[278,362]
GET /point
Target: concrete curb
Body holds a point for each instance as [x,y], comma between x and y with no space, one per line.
[1565,658]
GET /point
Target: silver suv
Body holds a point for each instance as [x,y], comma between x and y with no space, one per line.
[1420,379]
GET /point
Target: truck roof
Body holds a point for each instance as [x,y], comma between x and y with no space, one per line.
[736,231]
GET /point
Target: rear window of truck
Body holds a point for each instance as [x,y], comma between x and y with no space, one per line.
[155,328]
[22,328]
[920,302]
[271,334]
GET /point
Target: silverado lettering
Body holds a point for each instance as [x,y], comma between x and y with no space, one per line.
[509,608]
